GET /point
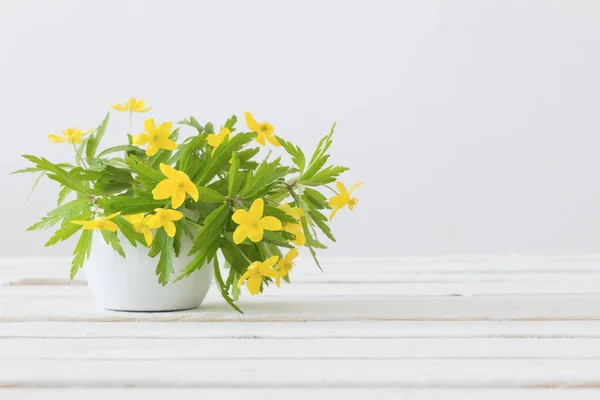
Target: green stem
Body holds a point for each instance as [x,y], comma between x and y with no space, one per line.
[79,156]
[332,189]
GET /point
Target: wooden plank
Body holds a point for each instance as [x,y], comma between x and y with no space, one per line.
[297,394]
[305,330]
[23,305]
[93,349]
[451,373]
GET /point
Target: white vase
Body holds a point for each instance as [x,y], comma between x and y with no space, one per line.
[131,284]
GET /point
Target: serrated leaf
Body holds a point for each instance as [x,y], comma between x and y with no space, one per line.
[58,174]
[193,123]
[159,243]
[233,169]
[325,176]
[128,232]
[164,269]
[81,252]
[145,173]
[67,230]
[179,227]
[62,195]
[298,157]
[130,205]
[222,287]
[321,221]
[112,239]
[315,199]
[220,158]
[55,216]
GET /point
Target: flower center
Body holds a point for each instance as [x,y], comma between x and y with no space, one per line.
[255,225]
[264,127]
[181,185]
[352,203]
[163,218]
[155,138]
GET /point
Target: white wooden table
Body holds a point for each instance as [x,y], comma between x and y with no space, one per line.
[505,328]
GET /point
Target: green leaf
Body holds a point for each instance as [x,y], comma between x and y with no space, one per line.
[81,252]
[230,123]
[234,256]
[68,230]
[126,148]
[112,239]
[159,243]
[222,287]
[145,173]
[128,232]
[130,205]
[163,155]
[209,128]
[62,195]
[321,221]
[315,199]
[35,183]
[220,158]
[279,214]
[210,231]
[279,238]
[298,157]
[58,174]
[193,123]
[164,269]
[266,175]
[231,183]
[208,195]
[58,214]
[325,176]
[96,137]
[179,225]
[323,145]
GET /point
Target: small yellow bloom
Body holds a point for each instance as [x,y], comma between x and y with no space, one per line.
[140,224]
[158,138]
[131,105]
[340,201]
[294,229]
[216,140]
[70,135]
[101,223]
[252,223]
[285,265]
[175,186]
[263,130]
[164,218]
[255,272]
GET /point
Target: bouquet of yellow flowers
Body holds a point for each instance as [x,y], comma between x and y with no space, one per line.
[210,187]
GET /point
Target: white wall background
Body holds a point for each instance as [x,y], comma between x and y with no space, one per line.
[474,124]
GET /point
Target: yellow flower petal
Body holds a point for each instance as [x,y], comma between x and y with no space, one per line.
[241,217]
[134,219]
[110,226]
[333,213]
[337,201]
[256,209]
[342,188]
[164,130]
[147,235]
[170,228]
[152,221]
[240,234]
[270,223]
[166,144]
[117,107]
[260,138]
[152,149]
[169,171]
[213,140]
[251,122]
[256,235]
[293,253]
[253,284]
[111,216]
[357,185]
[246,274]
[173,215]
[150,126]
[192,190]
[178,197]
[140,139]
[265,267]
[273,140]
[164,189]
[56,139]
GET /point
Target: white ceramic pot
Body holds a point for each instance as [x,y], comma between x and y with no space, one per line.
[131,284]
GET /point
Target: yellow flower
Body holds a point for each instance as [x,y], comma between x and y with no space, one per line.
[158,138]
[255,273]
[216,140]
[175,186]
[340,201]
[131,105]
[252,223]
[164,218]
[140,224]
[71,135]
[294,229]
[285,265]
[99,223]
[263,130]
